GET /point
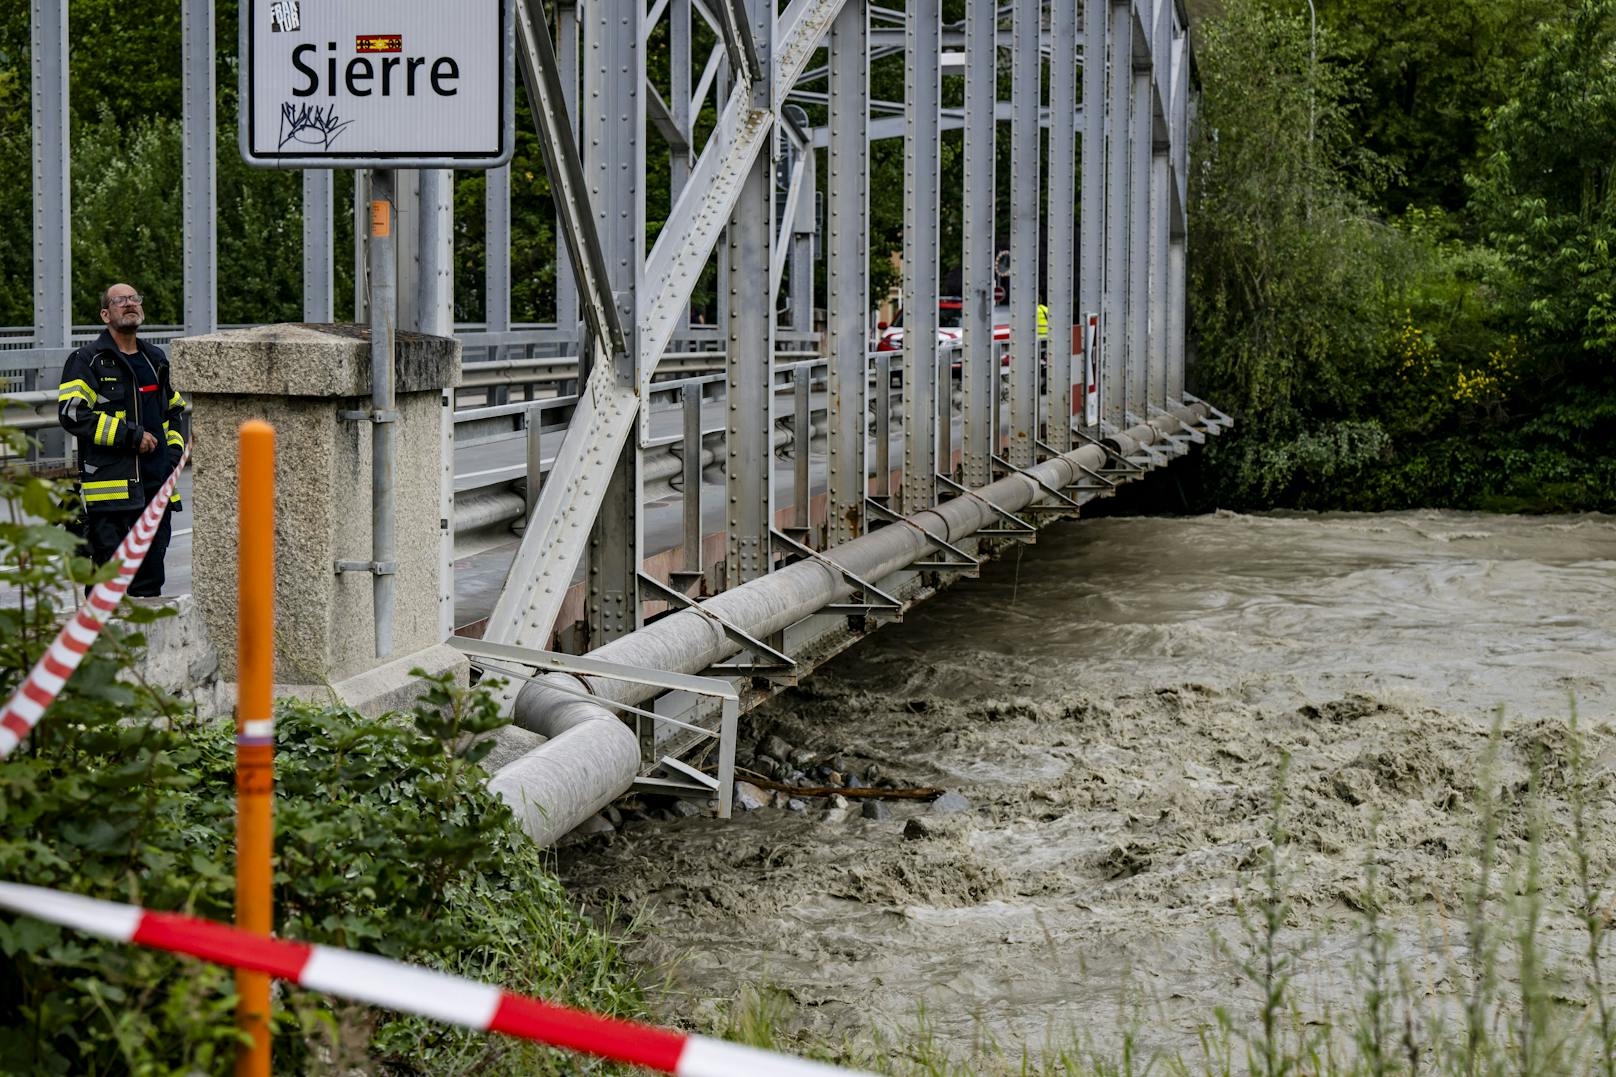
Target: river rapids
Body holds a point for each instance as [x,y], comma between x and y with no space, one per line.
[1124,705]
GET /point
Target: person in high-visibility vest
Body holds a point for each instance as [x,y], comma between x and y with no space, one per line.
[116,400]
[1043,321]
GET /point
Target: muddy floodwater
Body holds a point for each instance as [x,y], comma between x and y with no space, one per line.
[1114,704]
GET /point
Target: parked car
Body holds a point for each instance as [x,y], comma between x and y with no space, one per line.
[950,317]
[950,324]
[950,330]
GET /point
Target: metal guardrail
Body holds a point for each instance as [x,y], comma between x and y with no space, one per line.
[672,461]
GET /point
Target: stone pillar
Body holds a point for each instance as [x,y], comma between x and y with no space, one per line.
[300,379]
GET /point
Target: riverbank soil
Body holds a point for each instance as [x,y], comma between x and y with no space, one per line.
[1115,706]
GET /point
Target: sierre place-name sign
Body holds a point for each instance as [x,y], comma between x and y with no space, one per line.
[377,83]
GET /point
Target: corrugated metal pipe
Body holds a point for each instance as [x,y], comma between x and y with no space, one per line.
[592,757]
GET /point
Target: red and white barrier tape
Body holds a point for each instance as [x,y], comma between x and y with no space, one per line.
[394,985]
[45,681]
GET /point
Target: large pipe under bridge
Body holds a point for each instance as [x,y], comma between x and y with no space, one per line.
[592,756]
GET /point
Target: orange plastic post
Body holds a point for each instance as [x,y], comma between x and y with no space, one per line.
[255,727]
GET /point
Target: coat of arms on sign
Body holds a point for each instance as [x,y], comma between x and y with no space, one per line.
[283,15]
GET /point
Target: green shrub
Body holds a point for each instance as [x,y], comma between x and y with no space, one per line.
[387,842]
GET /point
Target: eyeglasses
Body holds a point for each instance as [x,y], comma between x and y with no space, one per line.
[125,301]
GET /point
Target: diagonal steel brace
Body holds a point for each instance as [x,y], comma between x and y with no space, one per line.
[963,562]
[738,42]
[1020,529]
[886,602]
[1067,504]
[540,76]
[1107,487]
[735,633]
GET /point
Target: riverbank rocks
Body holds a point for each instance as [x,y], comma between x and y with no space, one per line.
[919,829]
[749,797]
[950,803]
[773,747]
[875,809]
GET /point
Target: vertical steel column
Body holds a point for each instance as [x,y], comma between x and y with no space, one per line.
[383,321]
[802,436]
[197,168]
[497,253]
[1062,220]
[749,360]
[979,355]
[434,284]
[53,207]
[679,160]
[1158,291]
[1114,323]
[722,87]
[922,92]
[1139,236]
[434,313]
[1176,253]
[361,251]
[690,399]
[614,168]
[1093,213]
[847,302]
[1026,83]
[319,286]
[407,245]
[566,46]
[802,247]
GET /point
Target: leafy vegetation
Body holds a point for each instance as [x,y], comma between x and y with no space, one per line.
[1396,338]
[387,842]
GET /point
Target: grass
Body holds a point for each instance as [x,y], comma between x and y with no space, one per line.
[1483,996]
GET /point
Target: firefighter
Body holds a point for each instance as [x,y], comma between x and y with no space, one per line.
[115,398]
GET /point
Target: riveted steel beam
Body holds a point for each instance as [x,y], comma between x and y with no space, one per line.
[979,352]
[319,286]
[1139,248]
[1026,81]
[749,356]
[922,91]
[566,50]
[52,167]
[1114,322]
[199,168]
[1062,225]
[1093,219]
[847,303]
[542,79]
[688,237]
[613,122]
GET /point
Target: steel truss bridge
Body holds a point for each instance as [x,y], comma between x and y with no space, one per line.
[917,445]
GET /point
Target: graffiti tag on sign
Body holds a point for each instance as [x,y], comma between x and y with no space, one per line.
[311,125]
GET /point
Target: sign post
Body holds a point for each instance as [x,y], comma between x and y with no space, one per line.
[381,85]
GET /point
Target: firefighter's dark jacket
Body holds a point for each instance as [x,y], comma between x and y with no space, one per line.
[98,404]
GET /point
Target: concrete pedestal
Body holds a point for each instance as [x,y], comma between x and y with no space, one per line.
[300,378]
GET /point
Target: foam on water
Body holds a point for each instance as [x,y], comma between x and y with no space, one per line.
[1114,705]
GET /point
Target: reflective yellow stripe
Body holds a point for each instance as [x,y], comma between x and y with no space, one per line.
[76,387]
[176,401]
[74,394]
[106,490]
[175,439]
[106,429]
